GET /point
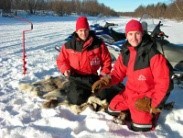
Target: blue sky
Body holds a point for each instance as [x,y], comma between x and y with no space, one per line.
[129,5]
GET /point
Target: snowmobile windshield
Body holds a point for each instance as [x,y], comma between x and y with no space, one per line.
[147,23]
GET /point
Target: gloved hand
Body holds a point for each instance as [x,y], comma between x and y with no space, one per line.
[103,82]
[144,104]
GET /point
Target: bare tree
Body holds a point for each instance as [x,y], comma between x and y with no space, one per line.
[5,5]
[178,4]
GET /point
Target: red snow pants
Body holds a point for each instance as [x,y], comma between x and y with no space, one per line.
[125,100]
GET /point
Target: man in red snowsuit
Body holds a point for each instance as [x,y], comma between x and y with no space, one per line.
[83,55]
[148,79]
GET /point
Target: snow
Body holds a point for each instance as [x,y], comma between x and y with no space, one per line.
[22,115]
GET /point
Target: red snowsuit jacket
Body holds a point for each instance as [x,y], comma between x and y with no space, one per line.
[84,58]
[147,71]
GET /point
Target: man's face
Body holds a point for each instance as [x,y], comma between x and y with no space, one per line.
[83,33]
[134,38]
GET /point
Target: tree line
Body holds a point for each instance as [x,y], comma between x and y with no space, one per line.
[60,7]
[174,10]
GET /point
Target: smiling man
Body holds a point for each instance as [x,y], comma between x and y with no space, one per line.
[82,57]
[148,80]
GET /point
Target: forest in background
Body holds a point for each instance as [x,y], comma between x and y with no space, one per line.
[174,10]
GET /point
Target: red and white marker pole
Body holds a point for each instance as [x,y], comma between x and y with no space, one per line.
[23,43]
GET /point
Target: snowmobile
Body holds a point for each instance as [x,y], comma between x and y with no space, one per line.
[172,52]
[107,33]
[111,37]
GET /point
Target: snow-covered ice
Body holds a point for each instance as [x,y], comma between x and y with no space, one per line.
[22,116]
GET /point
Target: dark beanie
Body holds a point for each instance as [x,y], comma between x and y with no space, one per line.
[133,25]
[82,22]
